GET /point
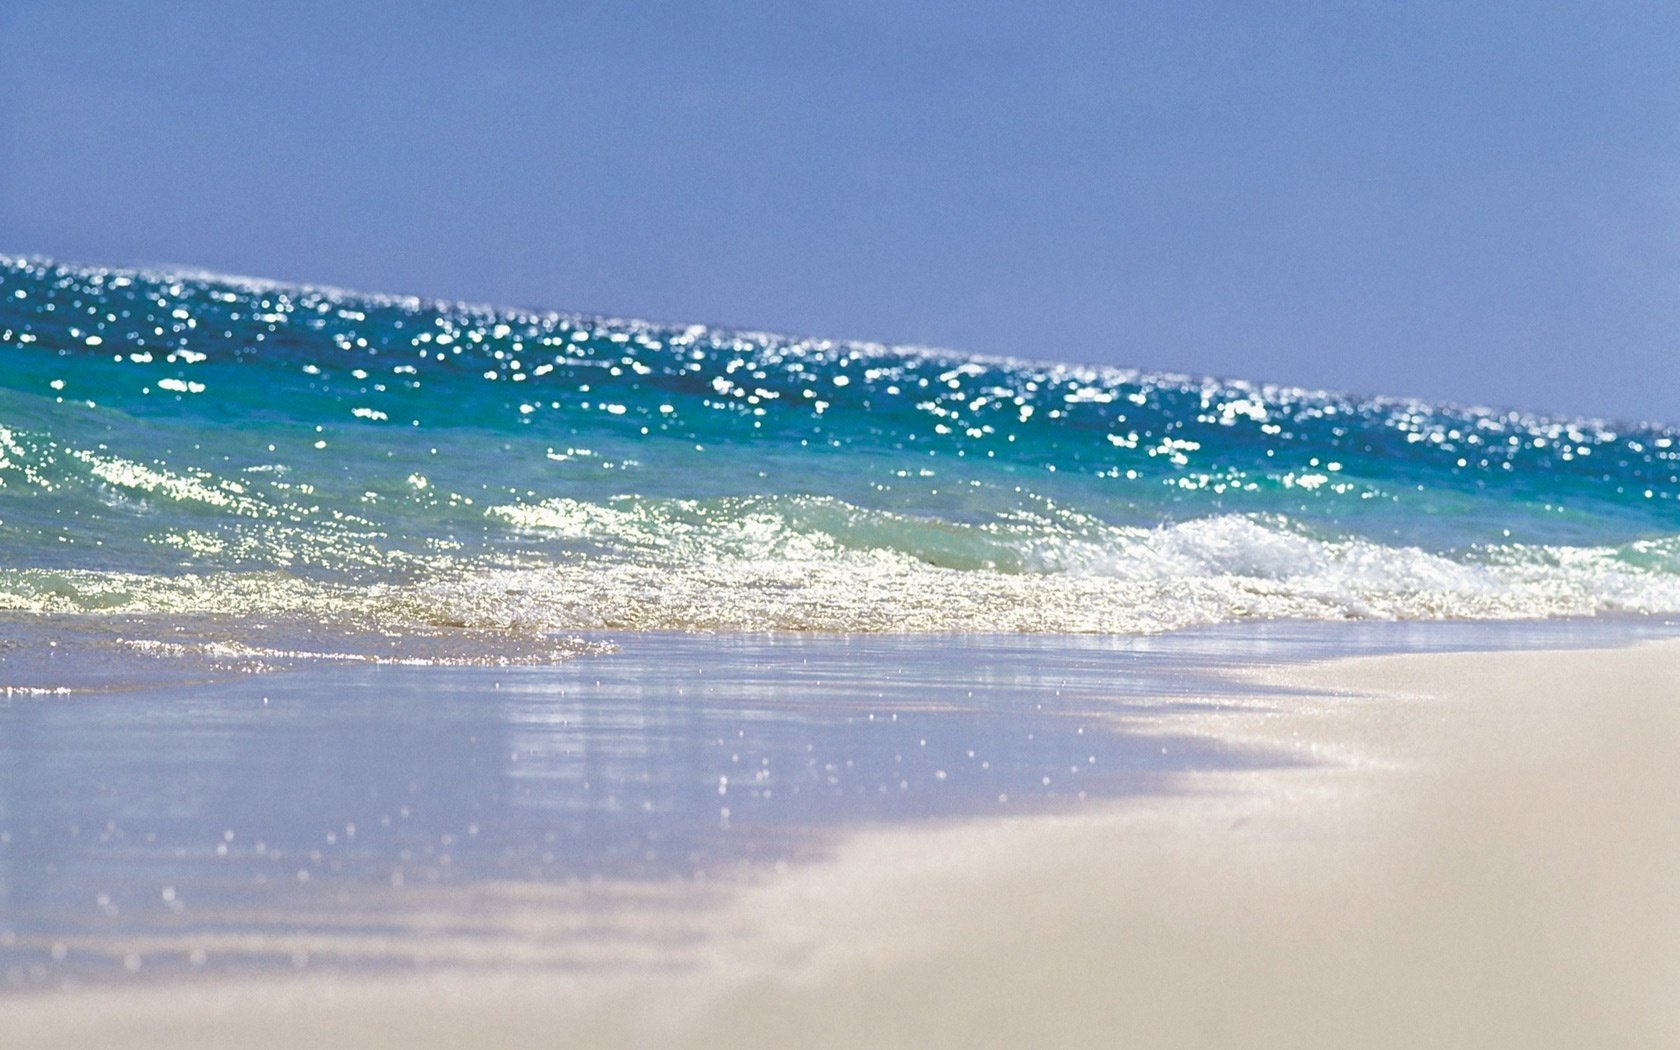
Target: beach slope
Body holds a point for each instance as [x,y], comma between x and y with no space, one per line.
[1482,850]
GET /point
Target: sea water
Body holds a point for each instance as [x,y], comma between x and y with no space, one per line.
[330,621]
[182,447]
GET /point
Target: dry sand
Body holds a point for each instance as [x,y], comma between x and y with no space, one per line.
[1485,852]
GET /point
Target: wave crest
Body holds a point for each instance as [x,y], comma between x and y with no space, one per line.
[791,563]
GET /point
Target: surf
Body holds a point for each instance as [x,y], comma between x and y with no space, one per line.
[189,445]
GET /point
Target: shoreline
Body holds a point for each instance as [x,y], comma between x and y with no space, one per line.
[1482,853]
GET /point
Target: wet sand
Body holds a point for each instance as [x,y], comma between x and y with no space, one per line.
[1482,851]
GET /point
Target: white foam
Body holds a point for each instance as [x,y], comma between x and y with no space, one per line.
[800,563]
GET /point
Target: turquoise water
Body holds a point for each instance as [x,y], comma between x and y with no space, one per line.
[193,448]
[202,477]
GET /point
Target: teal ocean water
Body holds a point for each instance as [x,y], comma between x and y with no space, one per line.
[204,476]
[231,453]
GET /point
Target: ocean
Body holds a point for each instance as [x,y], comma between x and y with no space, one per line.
[238,452]
[329,621]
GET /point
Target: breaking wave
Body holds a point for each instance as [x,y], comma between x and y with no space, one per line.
[176,447]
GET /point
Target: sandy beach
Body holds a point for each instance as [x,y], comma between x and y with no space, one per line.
[1480,852]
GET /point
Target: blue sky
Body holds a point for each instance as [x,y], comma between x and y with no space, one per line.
[1478,202]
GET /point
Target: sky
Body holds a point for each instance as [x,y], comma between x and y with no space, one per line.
[1470,202]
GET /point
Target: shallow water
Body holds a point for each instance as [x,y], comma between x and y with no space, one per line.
[340,815]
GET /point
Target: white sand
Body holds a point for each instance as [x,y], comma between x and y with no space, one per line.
[1486,855]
